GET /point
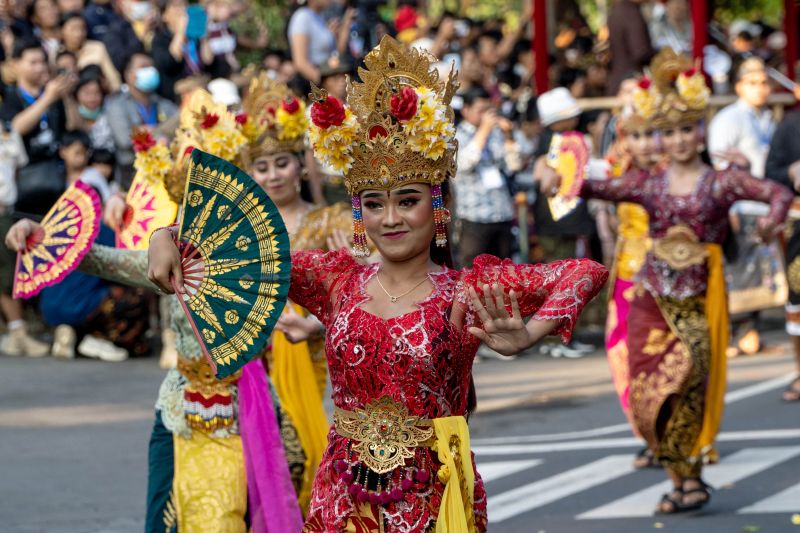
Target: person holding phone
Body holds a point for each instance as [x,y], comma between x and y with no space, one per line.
[179,49]
[311,40]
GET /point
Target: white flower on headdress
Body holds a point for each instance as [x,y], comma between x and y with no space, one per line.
[429,131]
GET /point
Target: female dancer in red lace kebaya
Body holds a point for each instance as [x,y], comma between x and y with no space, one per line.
[402,333]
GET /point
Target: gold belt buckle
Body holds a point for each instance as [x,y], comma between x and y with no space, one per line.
[680,248]
[384,434]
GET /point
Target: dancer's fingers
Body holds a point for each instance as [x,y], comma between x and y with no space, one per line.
[483,314]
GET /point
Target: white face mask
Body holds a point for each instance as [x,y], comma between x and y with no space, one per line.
[139,10]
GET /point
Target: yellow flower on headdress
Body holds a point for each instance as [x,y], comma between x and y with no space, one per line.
[646,99]
[692,88]
[221,135]
[333,145]
[291,120]
[153,159]
[429,132]
[248,127]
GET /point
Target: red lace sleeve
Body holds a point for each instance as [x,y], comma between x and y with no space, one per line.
[627,188]
[545,291]
[316,276]
[732,185]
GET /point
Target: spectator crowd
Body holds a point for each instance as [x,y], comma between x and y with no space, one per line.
[78,77]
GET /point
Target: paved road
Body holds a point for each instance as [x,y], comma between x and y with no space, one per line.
[549,437]
[556,453]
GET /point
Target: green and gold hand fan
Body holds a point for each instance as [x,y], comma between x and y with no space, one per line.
[236,265]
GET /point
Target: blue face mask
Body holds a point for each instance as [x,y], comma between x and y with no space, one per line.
[89,114]
[147,79]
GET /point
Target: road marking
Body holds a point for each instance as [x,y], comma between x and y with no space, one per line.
[499,469]
[597,432]
[731,397]
[626,442]
[740,465]
[539,493]
[759,388]
[786,501]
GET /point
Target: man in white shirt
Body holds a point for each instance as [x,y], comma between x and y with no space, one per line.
[741,134]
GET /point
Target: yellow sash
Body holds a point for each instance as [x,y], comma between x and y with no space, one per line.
[717,317]
[292,372]
[452,445]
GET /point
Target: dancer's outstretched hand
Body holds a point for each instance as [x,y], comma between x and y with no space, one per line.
[164,262]
[18,235]
[502,332]
[296,327]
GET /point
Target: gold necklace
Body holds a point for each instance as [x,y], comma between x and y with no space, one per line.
[395,298]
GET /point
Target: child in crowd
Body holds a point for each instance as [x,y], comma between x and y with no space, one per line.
[109,321]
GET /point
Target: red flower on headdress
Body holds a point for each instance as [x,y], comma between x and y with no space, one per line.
[329,112]
[690,72]
[142,140]
[209,121]
[405,18]
[404,104]
[645,83]
[241,119]
[291,105]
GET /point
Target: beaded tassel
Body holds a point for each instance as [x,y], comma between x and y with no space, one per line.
[360,248]
[439,216]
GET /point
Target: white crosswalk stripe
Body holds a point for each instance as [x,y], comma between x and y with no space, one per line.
[732,469]
[738,466]
[500,469]
[539,493]
[786,501]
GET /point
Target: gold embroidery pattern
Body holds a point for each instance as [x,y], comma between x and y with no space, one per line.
[170,514]
[657,341]
[210,503]
[682,373]
[295,455]
[793,273]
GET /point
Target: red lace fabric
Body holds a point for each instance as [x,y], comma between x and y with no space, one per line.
[705,211]
[422,359]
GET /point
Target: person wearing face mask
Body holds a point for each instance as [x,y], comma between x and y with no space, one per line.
[88,112]
[131,32]
[136,105]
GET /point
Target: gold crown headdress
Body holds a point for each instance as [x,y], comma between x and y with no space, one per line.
[397,127]
[208,126]
[272,118]
[676,93]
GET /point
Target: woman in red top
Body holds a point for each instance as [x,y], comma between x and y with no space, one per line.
[402,333]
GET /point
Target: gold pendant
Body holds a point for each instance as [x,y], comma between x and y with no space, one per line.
[394,299]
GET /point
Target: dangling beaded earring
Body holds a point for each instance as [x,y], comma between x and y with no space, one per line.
[439,216]
[360,248]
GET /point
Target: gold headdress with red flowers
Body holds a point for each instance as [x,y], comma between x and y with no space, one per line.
[208,126]
[678,91]
[272,118]
[397,127]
